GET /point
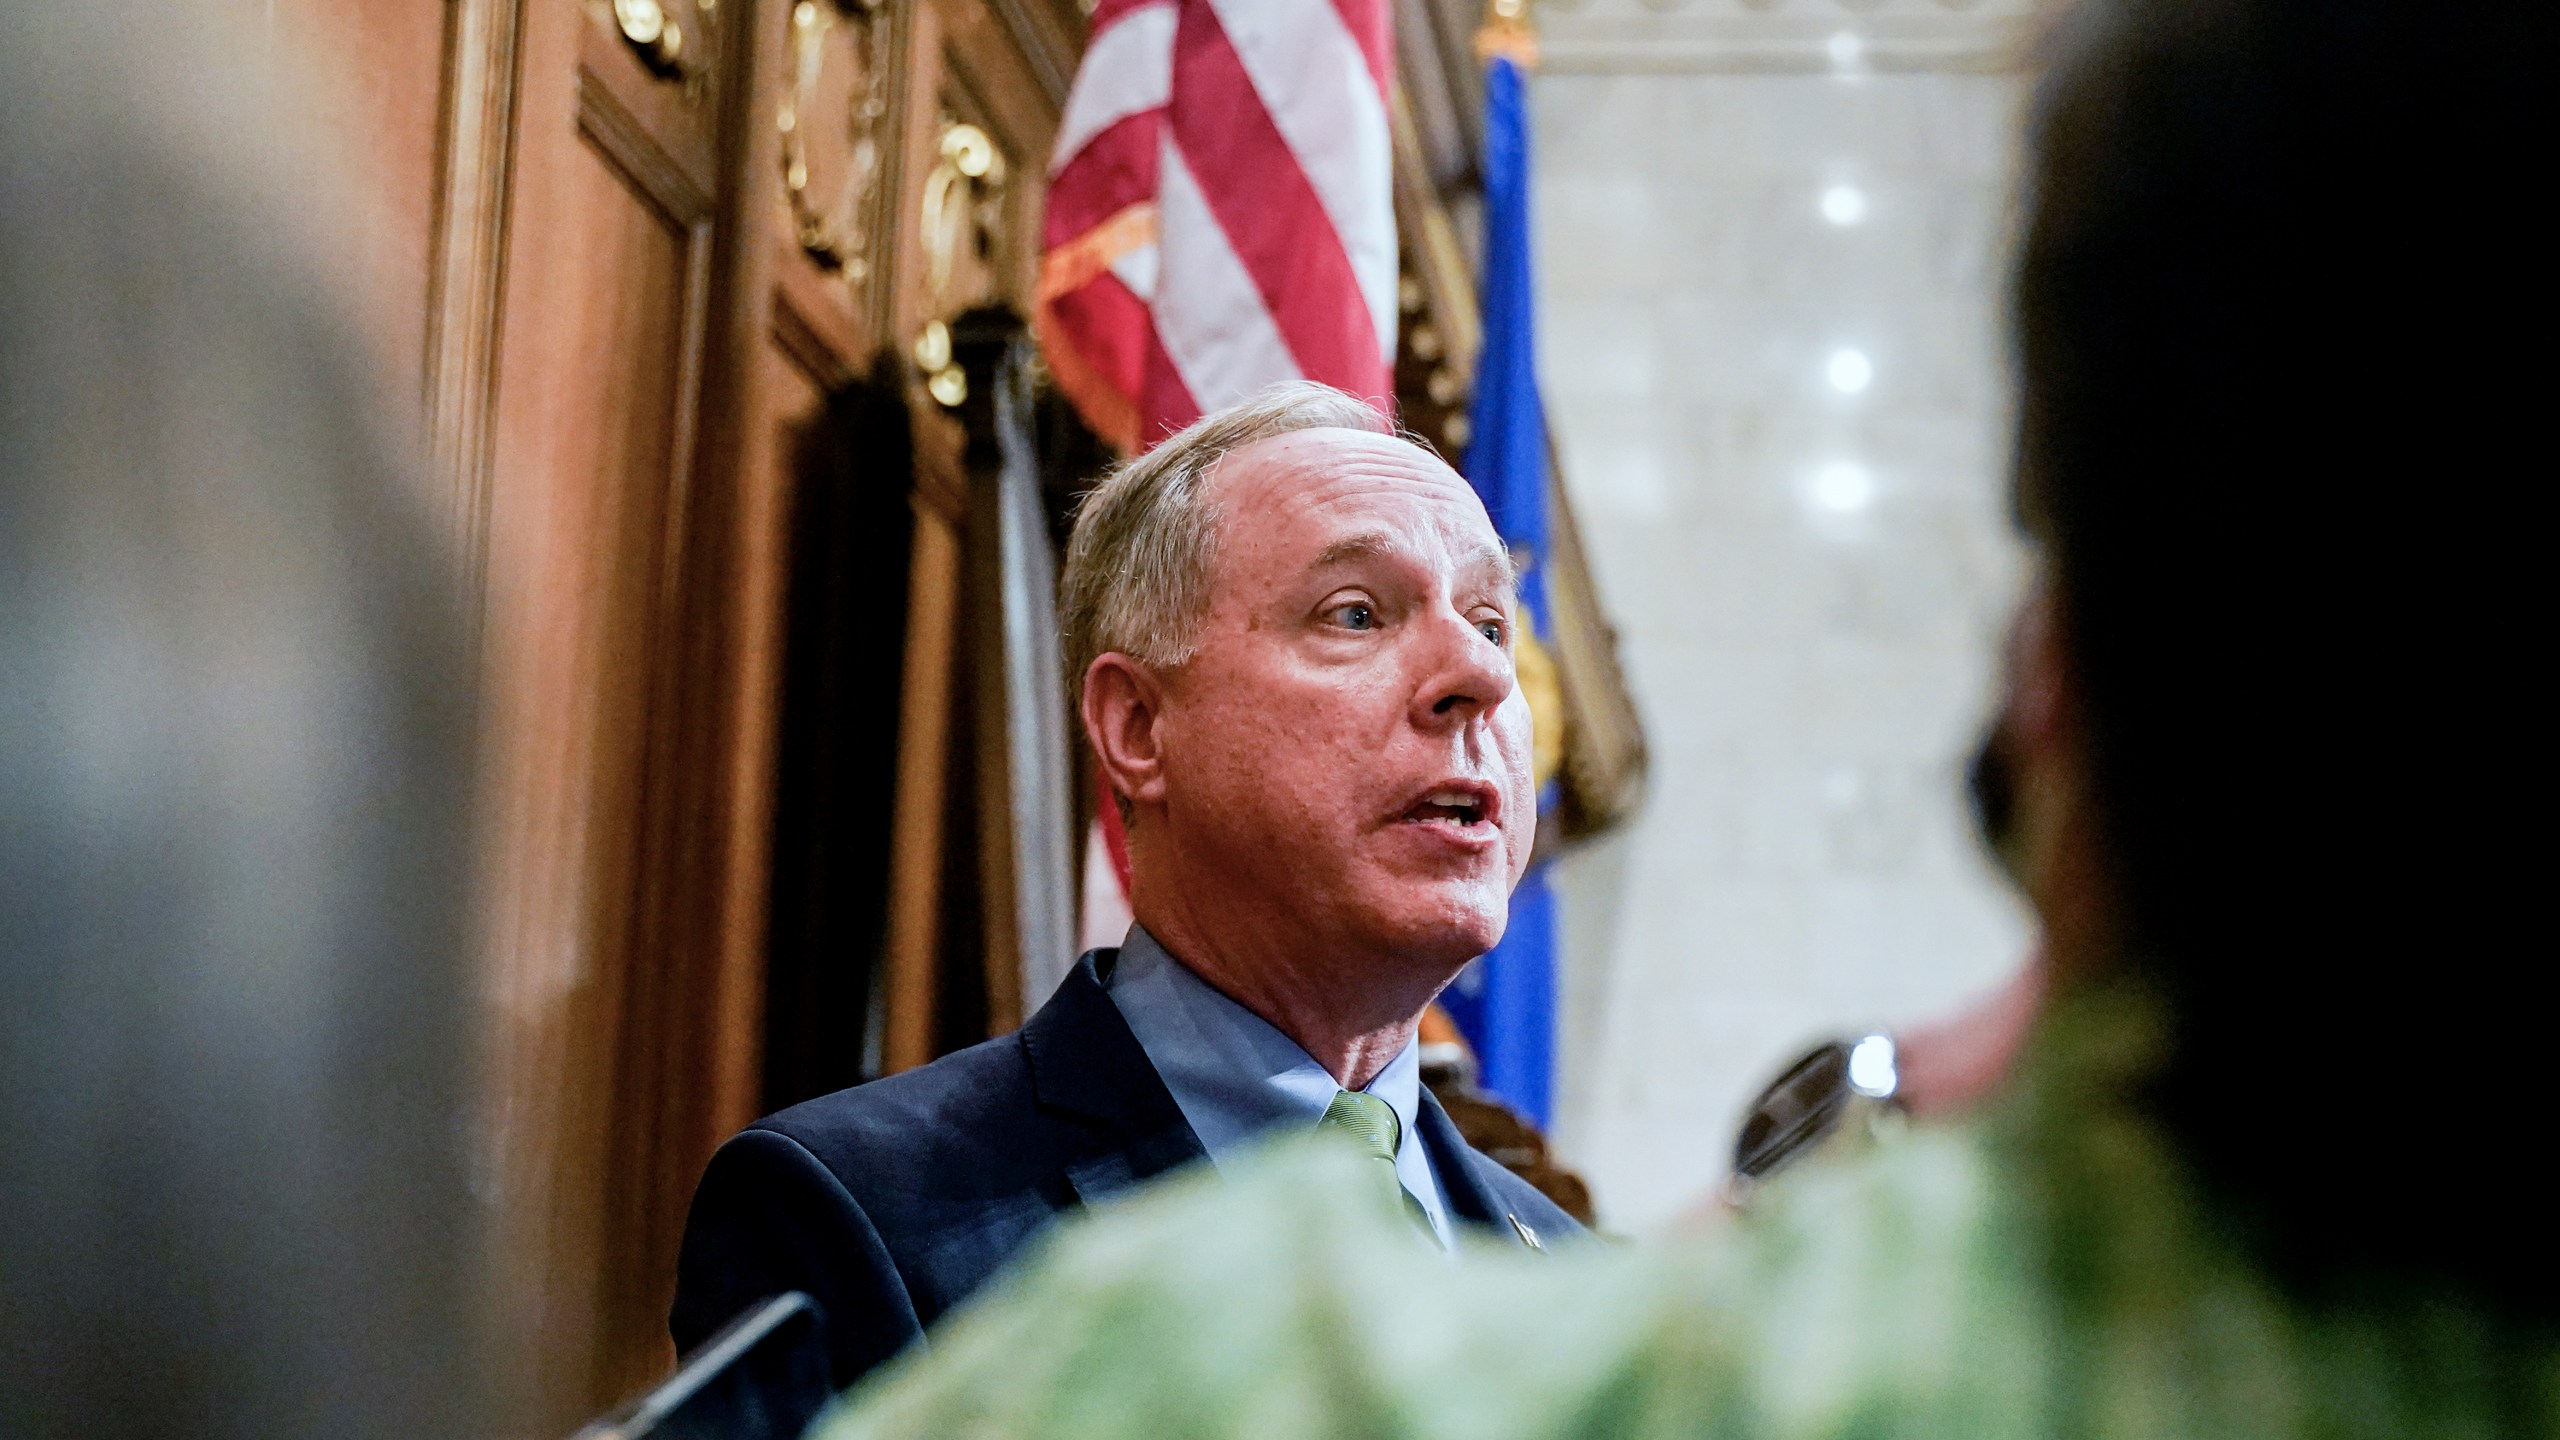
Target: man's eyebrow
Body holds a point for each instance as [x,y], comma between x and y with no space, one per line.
[1487,558]
[1493,558]
[1356,547]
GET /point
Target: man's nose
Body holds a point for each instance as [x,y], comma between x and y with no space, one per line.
[1465,675]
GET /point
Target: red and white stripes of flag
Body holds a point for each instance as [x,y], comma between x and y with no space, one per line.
[1220,210]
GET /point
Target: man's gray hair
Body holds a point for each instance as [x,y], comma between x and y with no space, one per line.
[1137,572]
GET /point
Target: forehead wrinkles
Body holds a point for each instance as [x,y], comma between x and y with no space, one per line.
[1389,515]
[1306,461]
[1305,485]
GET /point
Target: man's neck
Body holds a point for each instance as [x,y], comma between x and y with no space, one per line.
[1332,1010]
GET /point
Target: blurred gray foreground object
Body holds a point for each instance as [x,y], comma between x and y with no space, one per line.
[1853,1080]
[1870,1081]
[235,720]
[764,1376]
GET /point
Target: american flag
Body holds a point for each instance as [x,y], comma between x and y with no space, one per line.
[1220,211]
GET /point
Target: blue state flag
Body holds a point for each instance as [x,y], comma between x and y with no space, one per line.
[1505,1003]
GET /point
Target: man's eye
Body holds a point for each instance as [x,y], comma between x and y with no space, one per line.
[1355,616]
[1493,630]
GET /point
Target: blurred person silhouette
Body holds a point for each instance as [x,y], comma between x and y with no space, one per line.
[2266,1166]
[1947,1065]
[235,721]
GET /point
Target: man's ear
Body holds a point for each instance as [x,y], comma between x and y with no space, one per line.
[1123,700]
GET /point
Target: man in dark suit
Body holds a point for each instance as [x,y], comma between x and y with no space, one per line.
[1292,632]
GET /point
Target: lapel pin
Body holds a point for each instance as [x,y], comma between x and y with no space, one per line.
[1528,1236]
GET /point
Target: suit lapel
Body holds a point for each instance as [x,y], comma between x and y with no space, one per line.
[1463,1187]
[1086,1065]
[1125,1128]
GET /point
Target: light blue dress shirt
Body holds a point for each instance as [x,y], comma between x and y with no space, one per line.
[1236,1077]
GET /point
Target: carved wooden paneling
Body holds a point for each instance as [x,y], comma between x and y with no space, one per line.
[925,739]
[613,570]
[846,458]
[847,125]
[820,137]
[844,69]
[954,959]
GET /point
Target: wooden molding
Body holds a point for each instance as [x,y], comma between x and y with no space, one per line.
[1049,36]
[898,160]
[876,297]
[467,269]
[809,323]
[1440,263]
[924,725]
[1444,99]
[605,119]
[686,207]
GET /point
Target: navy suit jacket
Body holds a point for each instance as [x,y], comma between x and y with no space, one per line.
[890,1202]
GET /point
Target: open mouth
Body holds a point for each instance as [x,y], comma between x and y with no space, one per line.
[1463,804]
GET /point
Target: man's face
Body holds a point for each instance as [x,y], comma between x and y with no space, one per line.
[1346,742]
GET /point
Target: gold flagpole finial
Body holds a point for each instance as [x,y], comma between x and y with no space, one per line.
[1506,32]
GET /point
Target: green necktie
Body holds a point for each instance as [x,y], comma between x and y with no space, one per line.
[1371,1123]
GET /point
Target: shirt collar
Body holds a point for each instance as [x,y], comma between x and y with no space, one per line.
[1233,1073]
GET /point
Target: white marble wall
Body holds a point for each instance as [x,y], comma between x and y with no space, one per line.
[1809,580]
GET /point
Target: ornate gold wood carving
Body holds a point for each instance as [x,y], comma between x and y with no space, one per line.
[676,39]
[963,198]
[833,221]
[657,35]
